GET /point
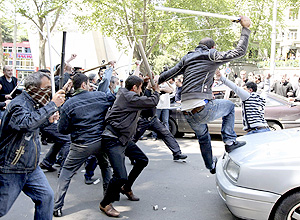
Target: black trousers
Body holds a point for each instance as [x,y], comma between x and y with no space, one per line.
[157,126]
[116,153]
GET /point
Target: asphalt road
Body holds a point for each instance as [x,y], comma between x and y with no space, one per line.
[181,190]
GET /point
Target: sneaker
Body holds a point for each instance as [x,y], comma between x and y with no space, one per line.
[214,165]
[48,168]
[235,145]
[179,157]
[57,213]
[88,181]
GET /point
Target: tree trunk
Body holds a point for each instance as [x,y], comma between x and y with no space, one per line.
[1,48]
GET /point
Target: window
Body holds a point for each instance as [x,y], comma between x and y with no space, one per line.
[19,50]
[293,14]
[292,34]
[27,50]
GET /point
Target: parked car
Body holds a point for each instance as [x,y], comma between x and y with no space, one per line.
[279,113]
[261,180]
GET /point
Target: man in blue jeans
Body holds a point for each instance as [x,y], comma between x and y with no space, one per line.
[198,105]
[20,146]
[82,116]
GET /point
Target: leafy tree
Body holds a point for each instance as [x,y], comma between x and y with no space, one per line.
[36,12]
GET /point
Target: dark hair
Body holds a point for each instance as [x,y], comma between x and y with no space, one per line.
[131,81]
[44,71]
[251,85]
[78,79]
[207,42]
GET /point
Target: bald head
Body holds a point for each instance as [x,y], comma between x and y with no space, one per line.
[210,43]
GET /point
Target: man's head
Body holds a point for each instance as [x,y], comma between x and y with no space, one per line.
[284,78]
[81,81]
[257,78]
[178,82]
[210,43]
[113,82]
[243,74]
[92,78]
[134,83]
[250,87]
[38,80]
[8,72]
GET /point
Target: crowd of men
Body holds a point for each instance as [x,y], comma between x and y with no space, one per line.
[99,120]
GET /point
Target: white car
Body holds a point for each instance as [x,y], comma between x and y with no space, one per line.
[261,180]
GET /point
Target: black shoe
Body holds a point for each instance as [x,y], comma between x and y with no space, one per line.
[57,213]
[179,157]
[214,165]
[48,168]
[235,145]
[89,181]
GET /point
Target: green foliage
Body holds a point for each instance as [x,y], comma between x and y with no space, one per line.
[173,34]
[7,27]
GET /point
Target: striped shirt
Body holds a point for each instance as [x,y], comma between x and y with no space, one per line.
[253,110]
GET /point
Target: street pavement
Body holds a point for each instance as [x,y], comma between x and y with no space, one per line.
[180,190]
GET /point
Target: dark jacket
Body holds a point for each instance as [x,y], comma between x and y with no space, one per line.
[198,68]
[7,87]
[19,134]
[124,114]
[83,116]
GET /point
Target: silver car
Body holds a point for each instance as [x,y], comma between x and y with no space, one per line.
[261,180]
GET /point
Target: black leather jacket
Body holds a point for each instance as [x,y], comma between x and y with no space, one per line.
[198,68]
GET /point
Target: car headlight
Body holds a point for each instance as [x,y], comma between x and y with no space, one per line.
[232,170]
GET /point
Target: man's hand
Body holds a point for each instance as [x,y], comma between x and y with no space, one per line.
[112,63]
[245,22]
[67,87]
[54,117]
[7,102]
[156,87]
[8,96]
[59,97]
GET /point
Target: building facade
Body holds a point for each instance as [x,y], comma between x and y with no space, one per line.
[24,61]
[288,38]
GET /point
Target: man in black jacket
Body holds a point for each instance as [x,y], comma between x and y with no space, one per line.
[121,123]
[198,105]
[8,82]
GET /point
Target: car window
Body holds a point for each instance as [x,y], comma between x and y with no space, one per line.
[272,102]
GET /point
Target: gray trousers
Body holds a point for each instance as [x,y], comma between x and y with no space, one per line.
[77,156]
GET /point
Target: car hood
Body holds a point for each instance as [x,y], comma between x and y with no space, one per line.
[269,161]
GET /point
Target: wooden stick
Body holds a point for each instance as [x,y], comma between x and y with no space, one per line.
[149,72]
[95,68]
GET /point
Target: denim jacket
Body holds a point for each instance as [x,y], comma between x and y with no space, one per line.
[19,134]
[83,116]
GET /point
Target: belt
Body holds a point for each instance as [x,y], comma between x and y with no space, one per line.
[194,111]
[257,128]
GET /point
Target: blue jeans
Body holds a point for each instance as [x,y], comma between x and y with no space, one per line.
[213,110]
[34,184]
[163,116]
[258,131]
